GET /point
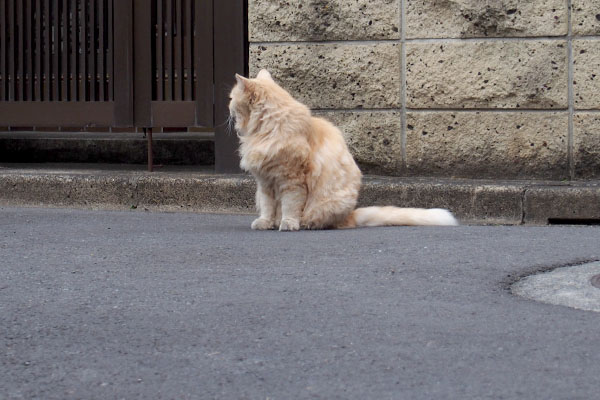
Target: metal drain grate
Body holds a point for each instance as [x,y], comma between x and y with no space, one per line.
[573,221]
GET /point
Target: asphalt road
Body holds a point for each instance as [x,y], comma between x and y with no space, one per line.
[137,305]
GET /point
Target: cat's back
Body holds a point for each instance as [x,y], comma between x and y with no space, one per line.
[326,133]
[330,151]
[334,179]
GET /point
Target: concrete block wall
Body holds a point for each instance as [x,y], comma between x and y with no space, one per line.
[452,88]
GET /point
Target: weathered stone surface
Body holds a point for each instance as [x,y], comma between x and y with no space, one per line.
[487,144]
[374,138]
[476,18]
[586,145]
[586,74]
[500,74]
[564,202]
[314,20]
[334,75]
[115,189]
[586,17]
[104,187]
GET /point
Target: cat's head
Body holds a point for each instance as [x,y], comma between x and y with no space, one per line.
[251,95]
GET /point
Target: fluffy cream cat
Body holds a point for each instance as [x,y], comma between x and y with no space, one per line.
[305,175]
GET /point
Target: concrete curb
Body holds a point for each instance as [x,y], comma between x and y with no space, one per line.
[194,190]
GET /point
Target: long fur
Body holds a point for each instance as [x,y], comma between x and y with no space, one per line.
[306,177]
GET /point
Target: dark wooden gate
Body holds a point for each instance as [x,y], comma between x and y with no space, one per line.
[121,63]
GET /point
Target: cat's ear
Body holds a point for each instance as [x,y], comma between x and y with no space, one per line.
[246,84]
[243,82]
[264,74]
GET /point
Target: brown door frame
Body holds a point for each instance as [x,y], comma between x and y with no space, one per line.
[225,55]
[230,52]
[177,108]
[229,56]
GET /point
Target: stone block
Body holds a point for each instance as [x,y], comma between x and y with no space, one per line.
[586,145]
[374,138]
[487,144]
[567,203]
[501,74]
[476,18]
[334,75]
[316,20]
[586,74]
[586,17]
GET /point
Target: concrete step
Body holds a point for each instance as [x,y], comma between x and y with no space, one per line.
[198,189]
[85,147]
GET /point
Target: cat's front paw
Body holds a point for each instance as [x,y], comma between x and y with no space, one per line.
[289,224]
[262,224]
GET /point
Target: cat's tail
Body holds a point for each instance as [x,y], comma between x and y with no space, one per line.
[391,216]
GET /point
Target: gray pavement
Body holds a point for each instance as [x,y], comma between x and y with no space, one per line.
[140,305]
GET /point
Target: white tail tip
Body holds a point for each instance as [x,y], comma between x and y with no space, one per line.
[395,216]
[442,217]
